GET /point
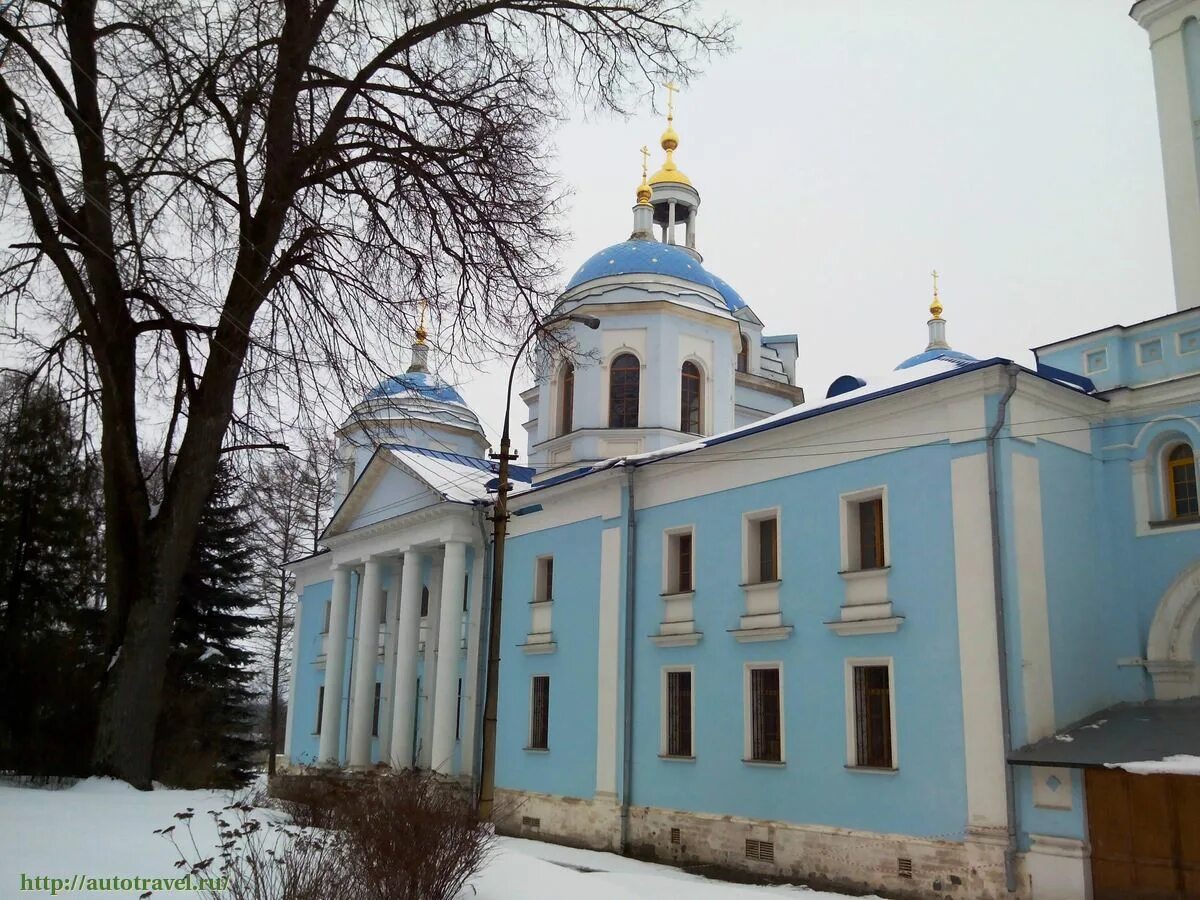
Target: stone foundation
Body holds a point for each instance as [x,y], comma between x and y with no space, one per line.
[895,865]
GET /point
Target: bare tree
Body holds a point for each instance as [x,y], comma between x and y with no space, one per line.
[225,208]
[290,494]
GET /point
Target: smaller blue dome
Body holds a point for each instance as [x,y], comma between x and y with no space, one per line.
[653,258]
[930,355]
[420,383]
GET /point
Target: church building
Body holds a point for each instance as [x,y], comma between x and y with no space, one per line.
[899,636]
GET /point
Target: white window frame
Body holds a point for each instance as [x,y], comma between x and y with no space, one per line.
[748,714]
[664,710]
[542,593]
[848,522]
[670,559]
[750,546]
[851,664]
[529,727]
[1162,349]
[1096,371]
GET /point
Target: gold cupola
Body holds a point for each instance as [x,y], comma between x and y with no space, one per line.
[669,173]
[937,325]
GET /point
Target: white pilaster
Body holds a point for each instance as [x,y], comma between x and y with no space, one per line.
[291,691]
[608,667]
[408,631]
[389,665]
[429,670]
[471,686]
[366,655]
[335,668]
[454,570]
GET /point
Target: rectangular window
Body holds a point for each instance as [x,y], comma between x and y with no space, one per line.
[1150,351]
[1095,361]
[766,716]
[872,717]
[328,613]
[768,549]
[680,563]
[383,609]
[870,533]
[539,713]
[320,707]
[466,589]
[679,713]
[543,586]
[375,711]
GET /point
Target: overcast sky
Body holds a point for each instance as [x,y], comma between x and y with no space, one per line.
[847,148]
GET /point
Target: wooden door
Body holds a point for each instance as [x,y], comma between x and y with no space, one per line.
[1145,835]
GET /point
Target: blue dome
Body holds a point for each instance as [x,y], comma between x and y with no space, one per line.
[420,383]
[929,355]
[653,258]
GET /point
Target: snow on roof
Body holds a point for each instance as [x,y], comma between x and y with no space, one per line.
[880,386]
[456,476]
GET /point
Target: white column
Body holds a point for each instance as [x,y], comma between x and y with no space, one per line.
[429,671]
[670,221]
[366,655]
[389,665]
[408,631]
[691,229]
[471,686]
[454,570]
[291,690]
[335,668]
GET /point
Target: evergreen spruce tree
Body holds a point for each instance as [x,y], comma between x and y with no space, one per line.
[50,564]
[205,734]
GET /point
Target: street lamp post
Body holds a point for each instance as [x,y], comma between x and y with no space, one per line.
[487,775]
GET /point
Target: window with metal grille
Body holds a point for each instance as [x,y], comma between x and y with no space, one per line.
[904,867]
[375,711]
[544,579]
[1181,482]
[765,549]
[539,713]
[624,387]
[870,533]
[766,722]
[567,403]
[320,707]
[689,412]
[679,563]
[873,717]
[679,713]
[675,836]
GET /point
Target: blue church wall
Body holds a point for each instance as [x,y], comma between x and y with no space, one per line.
[1033,819]
[926,796]
[307,677]
[568,767]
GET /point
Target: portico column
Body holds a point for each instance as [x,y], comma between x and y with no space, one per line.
[429,670]
[366,655]
[408,632]
[671,222]
[389,664]
[454,571]
[335,668]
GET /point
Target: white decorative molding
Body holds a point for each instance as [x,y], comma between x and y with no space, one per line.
[768,633]
[677,639]
[852,627]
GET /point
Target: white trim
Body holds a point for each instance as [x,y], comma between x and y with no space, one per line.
[747,713]
[670,580]
[607,667]
[759,515]
[289,721]
[1172,637]
[850,554]
[706,392]
[1037,671]
[850,664]
[663,710]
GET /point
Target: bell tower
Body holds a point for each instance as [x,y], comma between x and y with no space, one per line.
[1174,29]
[674,199]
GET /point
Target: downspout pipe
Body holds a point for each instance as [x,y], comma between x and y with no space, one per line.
[630,619]
[1010,794]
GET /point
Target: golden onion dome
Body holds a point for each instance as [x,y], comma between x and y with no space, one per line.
[669,173]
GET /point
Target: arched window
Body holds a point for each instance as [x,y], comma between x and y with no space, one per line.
[567,400]
[1181,482]
[624,382]
[743,357]
[689,395]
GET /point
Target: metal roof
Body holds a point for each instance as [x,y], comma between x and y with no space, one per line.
[1125,733]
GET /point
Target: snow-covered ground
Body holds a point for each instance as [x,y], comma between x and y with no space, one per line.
[101,828]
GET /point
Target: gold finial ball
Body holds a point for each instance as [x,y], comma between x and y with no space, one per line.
[670,140]
[643,193]
[421,334]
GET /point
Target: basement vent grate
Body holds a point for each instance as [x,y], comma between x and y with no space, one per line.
[760,850]
[531,822]
[674,835]
[904,867]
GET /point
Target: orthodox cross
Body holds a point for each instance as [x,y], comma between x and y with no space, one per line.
[671,87]
[645,158]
